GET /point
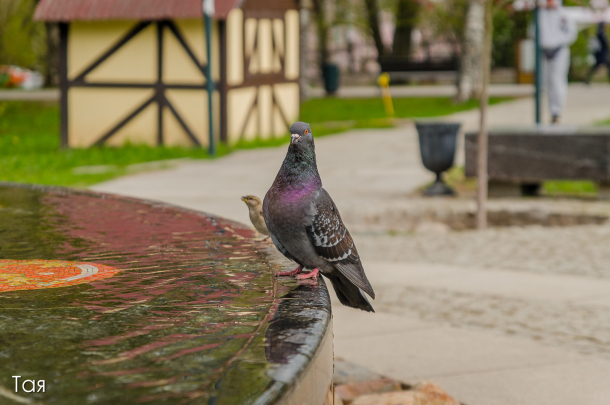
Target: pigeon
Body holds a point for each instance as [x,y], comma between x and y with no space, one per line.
[255,208]
[305,225]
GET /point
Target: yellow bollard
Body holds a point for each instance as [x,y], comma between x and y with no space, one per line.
[384,83]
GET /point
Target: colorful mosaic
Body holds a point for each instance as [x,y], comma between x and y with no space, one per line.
[34,274]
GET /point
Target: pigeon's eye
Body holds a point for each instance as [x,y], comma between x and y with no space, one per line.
[306,131]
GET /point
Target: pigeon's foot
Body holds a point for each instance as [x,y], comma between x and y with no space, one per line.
[289,272]
[312,274]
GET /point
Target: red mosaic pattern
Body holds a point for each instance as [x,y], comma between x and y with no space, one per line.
[34,274]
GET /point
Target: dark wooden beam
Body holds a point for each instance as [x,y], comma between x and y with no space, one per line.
[267,6]
[159,91]
[63,84]
[222,85]
[263,79]
[264,13]
[120,85]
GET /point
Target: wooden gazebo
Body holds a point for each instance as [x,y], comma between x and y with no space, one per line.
[134,71]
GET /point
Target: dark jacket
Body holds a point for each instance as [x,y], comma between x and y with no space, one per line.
[601,56]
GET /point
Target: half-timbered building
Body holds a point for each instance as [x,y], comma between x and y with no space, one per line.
[135,70]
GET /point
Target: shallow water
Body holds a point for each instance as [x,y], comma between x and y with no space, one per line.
[192,298]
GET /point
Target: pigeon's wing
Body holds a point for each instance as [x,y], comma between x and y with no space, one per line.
[334,243]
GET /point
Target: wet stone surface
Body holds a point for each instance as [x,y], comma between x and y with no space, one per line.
[190,313]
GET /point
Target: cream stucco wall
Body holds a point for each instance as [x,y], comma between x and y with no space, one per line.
[235,43]
[94,111]
[292,45]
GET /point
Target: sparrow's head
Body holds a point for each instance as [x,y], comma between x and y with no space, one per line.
[300,134]
[251,200]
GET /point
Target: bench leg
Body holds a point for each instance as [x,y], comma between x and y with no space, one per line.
[530,189]
[504,189]
[604,191]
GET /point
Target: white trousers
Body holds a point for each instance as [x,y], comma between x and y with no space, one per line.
[556,79]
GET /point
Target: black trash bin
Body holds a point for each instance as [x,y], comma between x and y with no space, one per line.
[330,73]
[437,142]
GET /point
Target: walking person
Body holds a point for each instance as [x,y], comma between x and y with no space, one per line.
[601,52]
[557,32]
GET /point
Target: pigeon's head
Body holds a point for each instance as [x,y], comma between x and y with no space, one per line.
[251,200]
[300,134]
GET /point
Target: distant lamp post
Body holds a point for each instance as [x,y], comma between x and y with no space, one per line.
[437,146]
[208,13]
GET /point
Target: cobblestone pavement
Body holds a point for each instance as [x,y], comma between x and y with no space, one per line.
[576,250]
[583,328]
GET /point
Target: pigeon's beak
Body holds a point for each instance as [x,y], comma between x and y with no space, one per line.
[294,138]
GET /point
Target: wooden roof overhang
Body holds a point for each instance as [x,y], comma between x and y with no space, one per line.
[147,10]
[150,10]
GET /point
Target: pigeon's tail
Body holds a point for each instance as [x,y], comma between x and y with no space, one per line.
[348,294]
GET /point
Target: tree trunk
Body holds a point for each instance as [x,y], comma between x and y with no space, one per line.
[406,18]
[372,11]
[482,141]
[471,74]
[322,28]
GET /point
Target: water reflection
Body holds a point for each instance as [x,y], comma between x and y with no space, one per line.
[186,313]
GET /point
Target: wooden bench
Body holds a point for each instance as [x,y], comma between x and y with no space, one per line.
[521,158]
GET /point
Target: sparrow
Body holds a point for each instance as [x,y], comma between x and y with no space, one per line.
[255,208]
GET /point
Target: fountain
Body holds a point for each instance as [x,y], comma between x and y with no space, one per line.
[123,301]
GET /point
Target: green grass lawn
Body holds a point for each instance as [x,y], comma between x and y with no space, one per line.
[329,116]
[561,188]
[603,122]
[464,186]
[359,109]
[30,153]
